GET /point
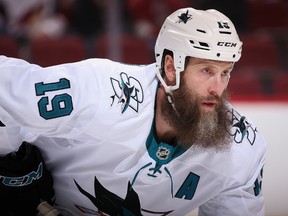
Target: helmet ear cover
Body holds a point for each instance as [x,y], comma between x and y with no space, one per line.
[162,70]
[196,33]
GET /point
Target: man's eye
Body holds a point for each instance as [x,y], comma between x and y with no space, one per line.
[207,71]
[225,73]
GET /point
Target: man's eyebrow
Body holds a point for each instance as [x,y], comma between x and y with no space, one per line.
[230,68]
[210,63]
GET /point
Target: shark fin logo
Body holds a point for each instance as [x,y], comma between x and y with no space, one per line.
[108,203]
[184,17]
[241,129]
[111,204]
[241,126]
[1,124]
[128,91]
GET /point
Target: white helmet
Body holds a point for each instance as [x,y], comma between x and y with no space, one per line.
[202,34]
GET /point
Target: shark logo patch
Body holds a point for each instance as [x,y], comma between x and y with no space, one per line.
[241,129]
[109,203]
[184,17]
[128,92]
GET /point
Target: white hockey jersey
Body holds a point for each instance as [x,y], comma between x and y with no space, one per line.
[93,121]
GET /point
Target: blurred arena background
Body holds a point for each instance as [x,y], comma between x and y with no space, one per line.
[48,32]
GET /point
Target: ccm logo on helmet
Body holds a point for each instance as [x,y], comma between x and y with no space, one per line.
[227,44]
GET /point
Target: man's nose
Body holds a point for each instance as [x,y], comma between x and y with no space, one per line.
[216,85]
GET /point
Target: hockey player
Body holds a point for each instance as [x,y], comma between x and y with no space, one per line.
[158,139]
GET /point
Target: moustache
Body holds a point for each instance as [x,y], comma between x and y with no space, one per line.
[211,98]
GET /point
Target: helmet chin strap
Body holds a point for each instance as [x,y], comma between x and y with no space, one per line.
[178,64]
[169,96]
[170,88]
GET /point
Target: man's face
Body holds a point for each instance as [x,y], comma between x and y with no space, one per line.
[208,79]
[200,116]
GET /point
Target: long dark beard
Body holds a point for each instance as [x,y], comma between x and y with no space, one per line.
[193,126]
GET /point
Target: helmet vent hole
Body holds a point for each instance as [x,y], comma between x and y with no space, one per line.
[203,44]
[234,56]
[200,45]
[200,30]
[224,32]
[218,54]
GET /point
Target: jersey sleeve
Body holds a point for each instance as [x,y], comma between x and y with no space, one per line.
[241,197]
[237,202]
[55,101]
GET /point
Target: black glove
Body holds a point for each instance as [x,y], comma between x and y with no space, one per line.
[24,182]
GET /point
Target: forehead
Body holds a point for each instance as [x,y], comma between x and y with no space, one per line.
[207,62]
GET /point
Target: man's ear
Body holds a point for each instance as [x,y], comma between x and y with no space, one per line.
[169,69]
